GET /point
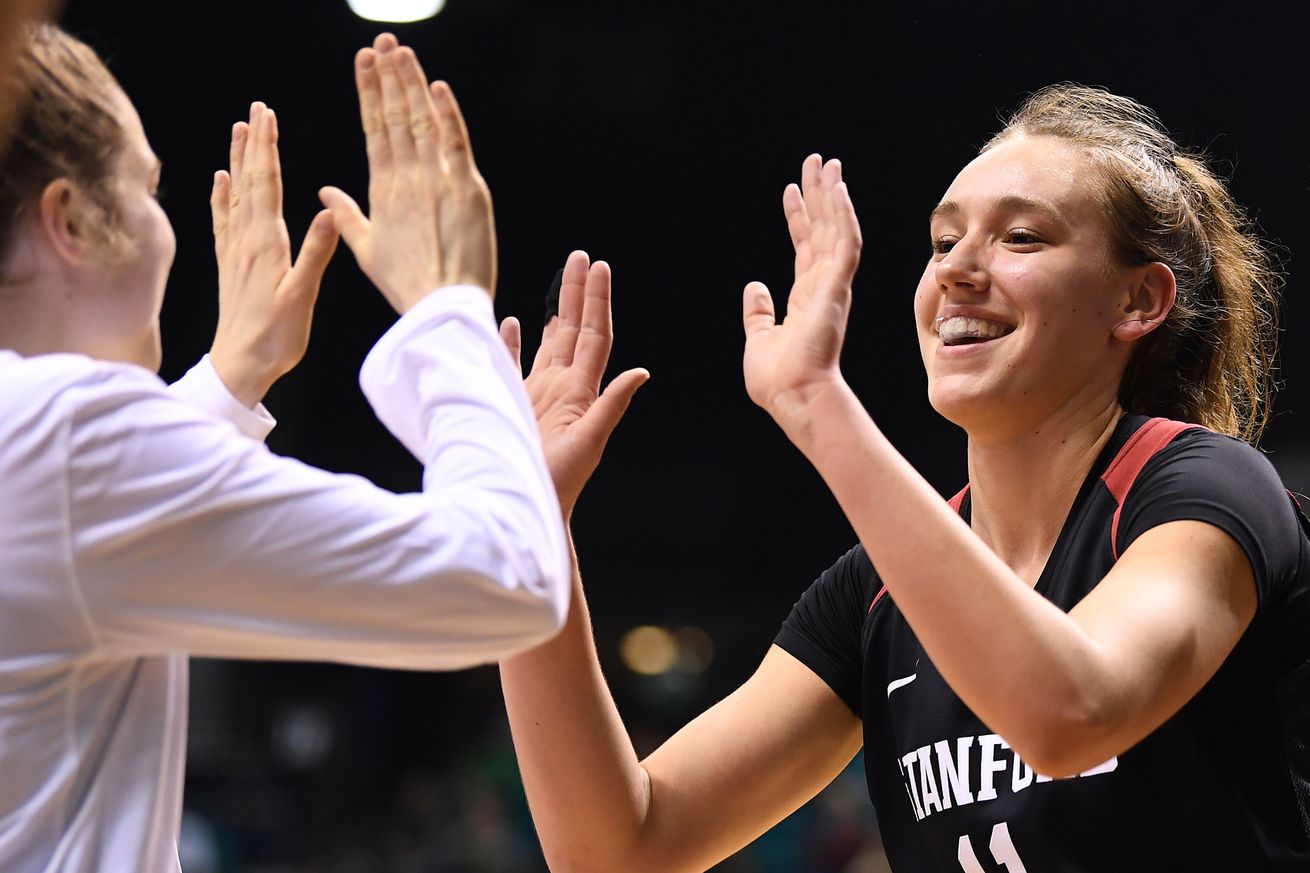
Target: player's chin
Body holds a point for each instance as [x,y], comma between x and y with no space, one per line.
[959,398]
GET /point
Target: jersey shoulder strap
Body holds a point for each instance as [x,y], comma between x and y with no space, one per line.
[956,502]
[1127,465]
[1118,477]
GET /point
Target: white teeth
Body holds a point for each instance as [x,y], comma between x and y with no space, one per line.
[959,328]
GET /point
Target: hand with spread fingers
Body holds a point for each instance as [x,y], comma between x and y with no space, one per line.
[265,303]
[575,418]
[785,364]
[430,221]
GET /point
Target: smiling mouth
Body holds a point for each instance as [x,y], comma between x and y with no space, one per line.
[962,330]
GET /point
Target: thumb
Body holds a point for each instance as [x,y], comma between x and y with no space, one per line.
[315,253]
[609,408]
[346,215]
[757,314]
[512,335]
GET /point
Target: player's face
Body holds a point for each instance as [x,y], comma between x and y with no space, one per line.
[134,272]
[1016,308]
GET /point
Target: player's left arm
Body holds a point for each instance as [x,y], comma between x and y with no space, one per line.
[1161,623]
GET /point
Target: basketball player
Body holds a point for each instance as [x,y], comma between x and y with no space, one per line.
[1095,658]
[140,525]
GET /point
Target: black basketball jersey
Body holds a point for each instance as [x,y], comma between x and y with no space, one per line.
[1223,785]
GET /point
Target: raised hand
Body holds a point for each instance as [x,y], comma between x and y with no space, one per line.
[265,303]
[574,418]
[784,364]
[430,221]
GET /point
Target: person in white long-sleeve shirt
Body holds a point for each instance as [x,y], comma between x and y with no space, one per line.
[141,524]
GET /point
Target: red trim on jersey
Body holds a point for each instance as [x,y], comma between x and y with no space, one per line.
[1124,469]
[958,500]
[955,502]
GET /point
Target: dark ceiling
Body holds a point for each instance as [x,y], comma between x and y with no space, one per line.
[659,137]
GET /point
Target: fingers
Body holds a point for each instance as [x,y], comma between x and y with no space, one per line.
[369,87]
[347,217]
[218,207]
[798,226]
[511,334]
[455,148]
[568,325]
[596,337]
[798,220]
[849,238]
[757,313]
[242,195]
[263,166]
[316,251]
[423,124]
[829,178]
[395,111]
[811,171]
[257,171]
[237,153]
[816,216]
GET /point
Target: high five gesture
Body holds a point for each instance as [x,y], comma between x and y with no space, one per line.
[430,221]
[574,416]
[265,302]
[787,363]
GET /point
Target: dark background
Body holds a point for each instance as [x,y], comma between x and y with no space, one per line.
[657,136]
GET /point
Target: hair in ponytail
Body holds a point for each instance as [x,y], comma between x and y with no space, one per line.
[1212,360]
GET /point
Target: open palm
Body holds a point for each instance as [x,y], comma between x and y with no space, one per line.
[574,417]
[784,363]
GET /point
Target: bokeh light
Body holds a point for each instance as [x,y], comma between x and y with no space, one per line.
[649,650]
[396,11]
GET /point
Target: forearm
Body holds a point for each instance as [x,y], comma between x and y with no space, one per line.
[588,794]
[1025,667]
[443,384]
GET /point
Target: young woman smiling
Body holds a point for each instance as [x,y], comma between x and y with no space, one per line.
[1097,656]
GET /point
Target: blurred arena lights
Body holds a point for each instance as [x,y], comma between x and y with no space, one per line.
[654,651]
[302,736]
[396,11]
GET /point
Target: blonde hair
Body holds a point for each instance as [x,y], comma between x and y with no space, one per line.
[1212,360]
[66,128]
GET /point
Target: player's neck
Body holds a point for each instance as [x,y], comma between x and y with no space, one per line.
[1021,489]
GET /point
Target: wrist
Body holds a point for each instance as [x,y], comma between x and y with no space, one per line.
[244,379]
[806,412]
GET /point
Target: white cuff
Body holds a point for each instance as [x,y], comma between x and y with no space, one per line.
[202,387]
[407,355]
[466,297]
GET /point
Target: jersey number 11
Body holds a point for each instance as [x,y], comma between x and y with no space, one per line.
[1002,850]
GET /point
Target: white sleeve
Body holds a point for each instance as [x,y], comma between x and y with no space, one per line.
[203,389]
[187,537]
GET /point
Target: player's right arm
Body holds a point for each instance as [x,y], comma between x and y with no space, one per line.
[722,780]
[717,784]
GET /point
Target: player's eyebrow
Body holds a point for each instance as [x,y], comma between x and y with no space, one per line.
[1008,203]
[943,210]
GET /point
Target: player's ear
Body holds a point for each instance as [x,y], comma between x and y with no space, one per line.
[1147,303]
[59,214]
